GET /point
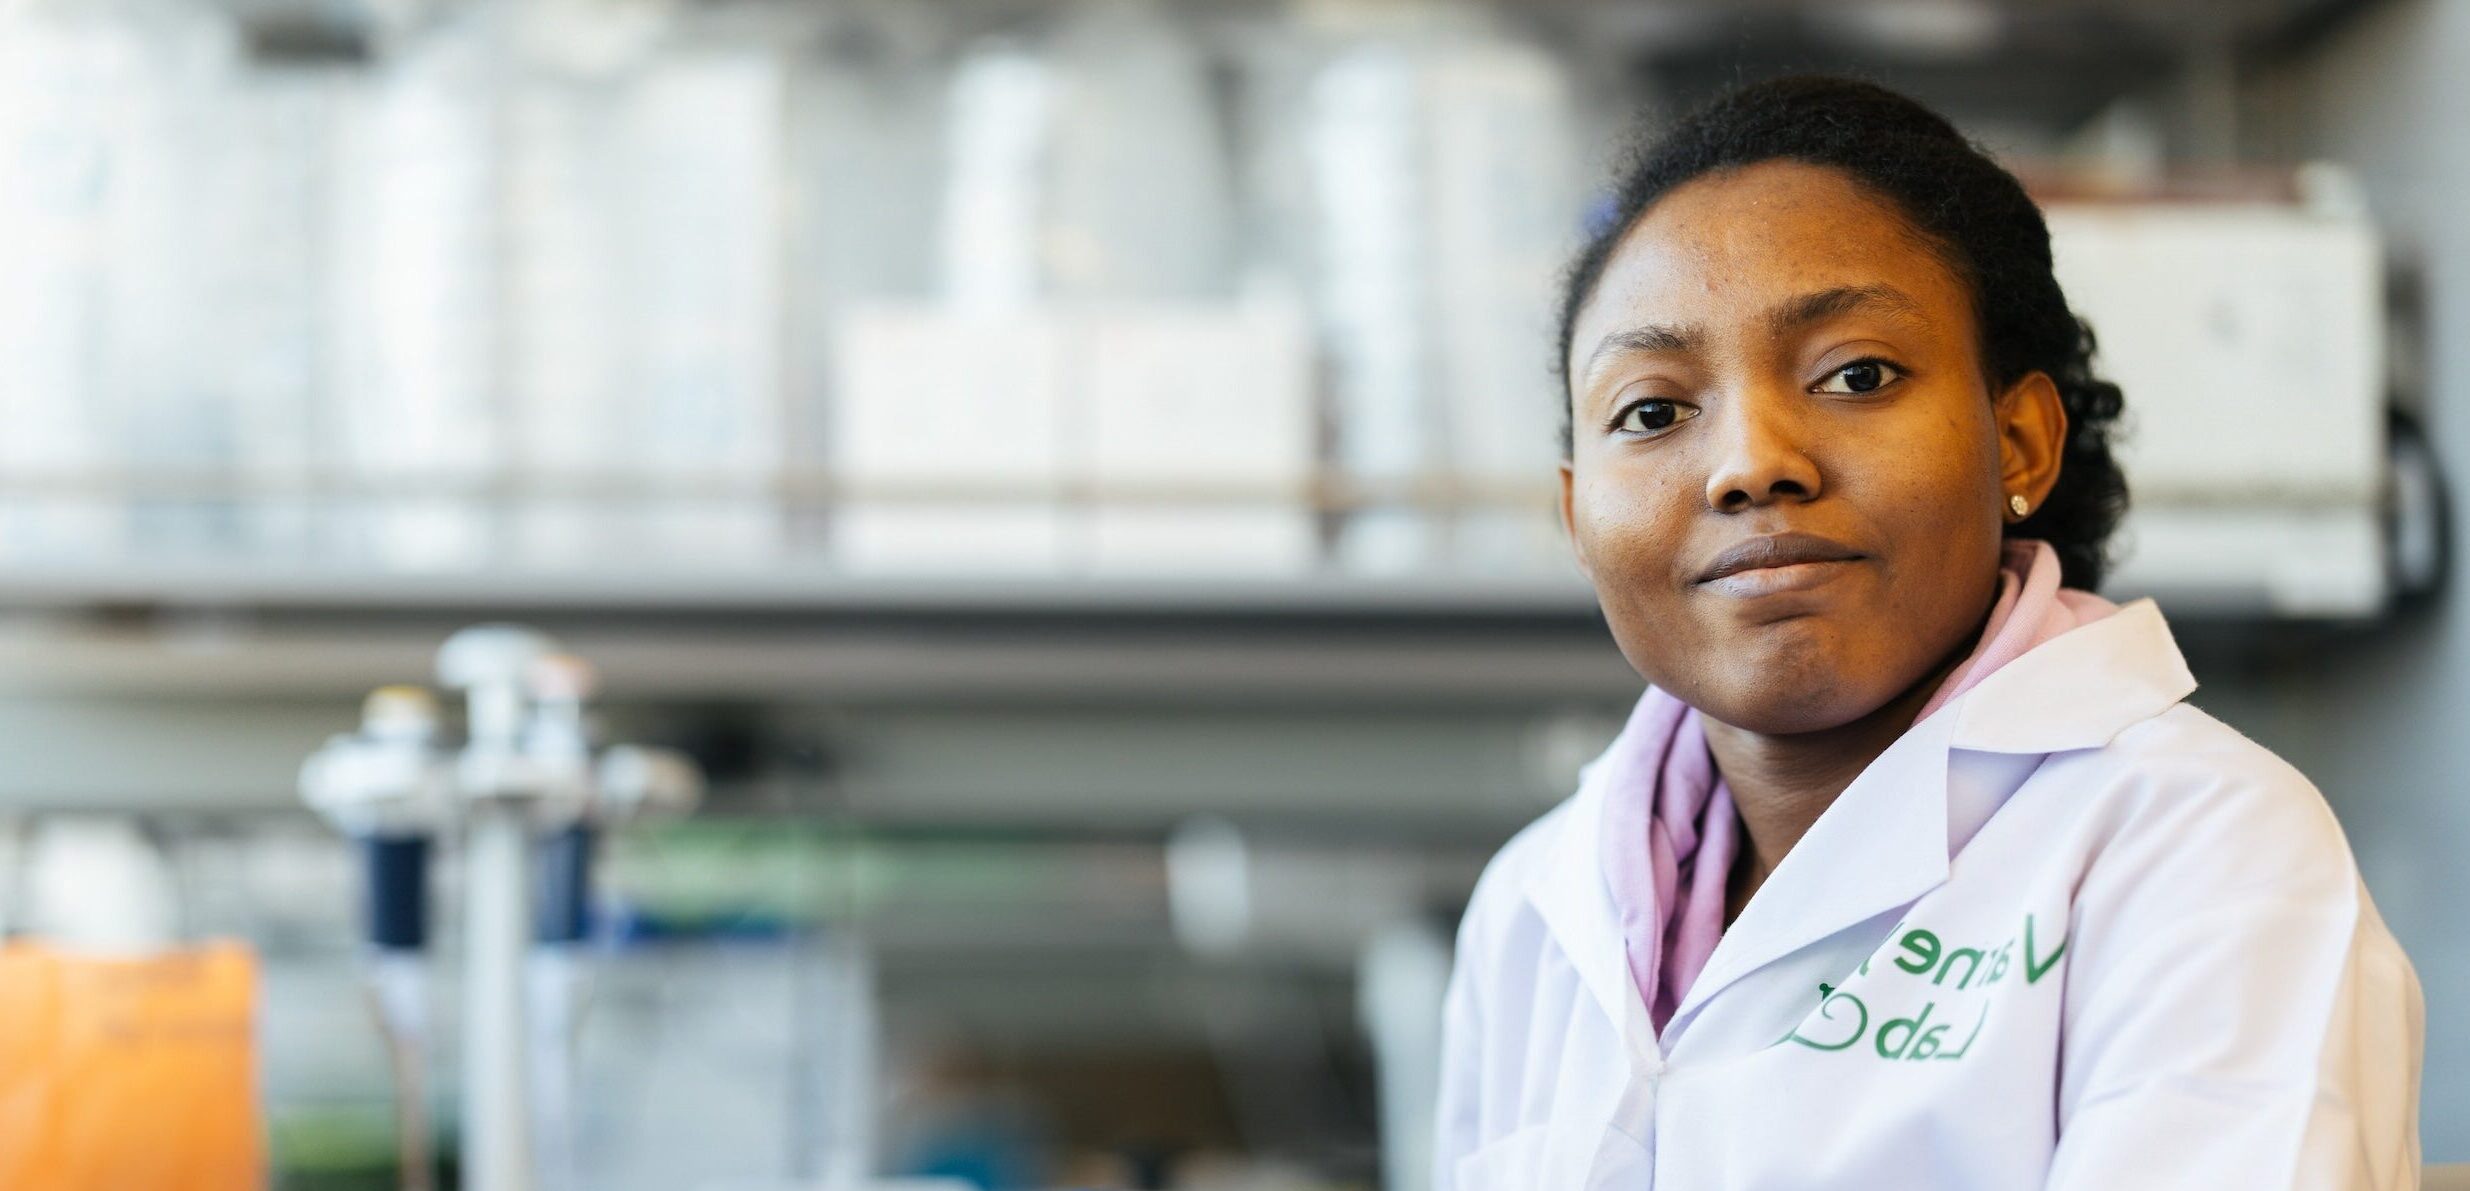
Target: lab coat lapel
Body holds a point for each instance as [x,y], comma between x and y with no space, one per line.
[1568,891]
[1880,845]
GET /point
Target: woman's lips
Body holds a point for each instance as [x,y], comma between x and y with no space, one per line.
[1762,581]
[1776,563]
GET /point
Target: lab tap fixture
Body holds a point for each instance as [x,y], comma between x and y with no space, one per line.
[524,781]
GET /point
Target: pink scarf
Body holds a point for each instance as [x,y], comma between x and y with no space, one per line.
[1666,793]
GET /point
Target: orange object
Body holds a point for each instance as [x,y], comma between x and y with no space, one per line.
[121,1073]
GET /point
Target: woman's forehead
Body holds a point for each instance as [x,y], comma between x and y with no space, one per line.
[1727,254]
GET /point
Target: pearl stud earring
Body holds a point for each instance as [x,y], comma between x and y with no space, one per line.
[2016,504]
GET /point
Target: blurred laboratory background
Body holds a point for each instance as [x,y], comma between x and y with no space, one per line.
[1057,497]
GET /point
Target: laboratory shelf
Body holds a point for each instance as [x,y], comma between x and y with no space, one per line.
[960,693]
[791,590]
[824,663]
[816,636]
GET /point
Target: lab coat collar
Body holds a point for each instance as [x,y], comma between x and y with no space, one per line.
[2078,690]
[1884,842]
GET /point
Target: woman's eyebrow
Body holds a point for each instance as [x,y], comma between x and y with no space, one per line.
[1654,338]
[1812,308]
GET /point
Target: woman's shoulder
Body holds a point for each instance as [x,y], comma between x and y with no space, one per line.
[2185,795]
[1529,851]
[2186,748]
[2180,761]
[2224,964]
[1502,907]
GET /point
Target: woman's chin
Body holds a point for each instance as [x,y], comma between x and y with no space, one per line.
[1808,686]
[1784,676]
[1768,716]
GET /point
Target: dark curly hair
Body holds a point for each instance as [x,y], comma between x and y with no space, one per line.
[1977,216]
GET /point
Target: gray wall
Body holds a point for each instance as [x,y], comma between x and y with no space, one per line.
[2382,722]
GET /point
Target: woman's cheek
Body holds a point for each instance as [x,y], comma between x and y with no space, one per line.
[1630,522]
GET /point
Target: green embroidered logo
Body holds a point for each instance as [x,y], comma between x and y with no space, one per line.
[1842,1020]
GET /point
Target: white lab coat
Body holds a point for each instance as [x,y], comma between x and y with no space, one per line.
[2067,932]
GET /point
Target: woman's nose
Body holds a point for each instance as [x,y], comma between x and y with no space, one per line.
[1761,458]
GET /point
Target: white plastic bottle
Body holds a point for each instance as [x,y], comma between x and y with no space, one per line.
[105,114]
[267,310]
[1436,157]
[418,421]
[863,173]
[1089,165]
[704,131]
[642,245]
[571,331]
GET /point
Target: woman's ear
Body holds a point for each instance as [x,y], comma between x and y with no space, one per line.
[1569,525]
[2032,435]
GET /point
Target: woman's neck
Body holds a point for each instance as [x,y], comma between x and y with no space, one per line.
[1781,783]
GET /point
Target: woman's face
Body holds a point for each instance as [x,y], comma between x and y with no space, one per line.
[1777,378]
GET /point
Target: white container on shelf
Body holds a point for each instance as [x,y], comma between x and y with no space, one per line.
[863,167]
[948,433]
[1157,439]
[1361,143]
[1505,207]
[1084,362]
[571,336]
[1088,166]
[419,347]
[1438,161]
[1213,400]
[642,238]
[2249,340]
[266,311]
[170,415]
[106,115]
[705,129]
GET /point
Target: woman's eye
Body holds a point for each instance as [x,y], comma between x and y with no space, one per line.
[1647,417]
[1861,376]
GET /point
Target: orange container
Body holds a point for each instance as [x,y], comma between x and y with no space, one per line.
[129,1072]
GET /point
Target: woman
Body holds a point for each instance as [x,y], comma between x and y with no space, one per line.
[1911,869]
